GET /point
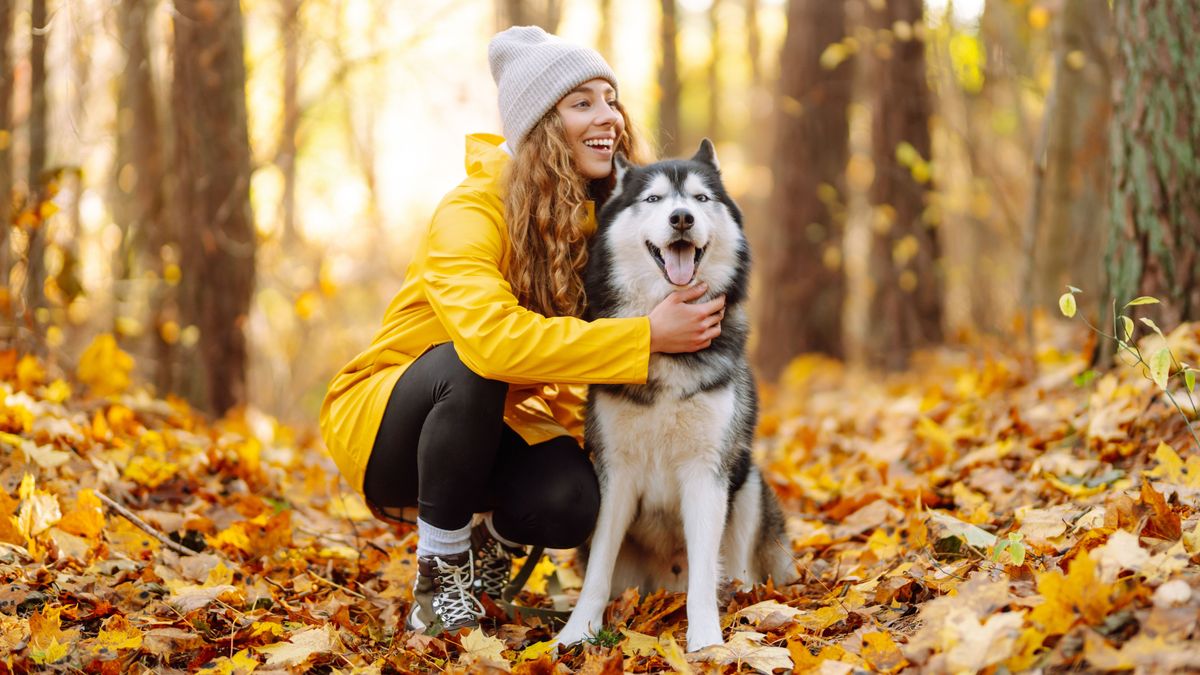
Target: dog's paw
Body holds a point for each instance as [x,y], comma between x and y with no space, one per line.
[572,634]
[701,637]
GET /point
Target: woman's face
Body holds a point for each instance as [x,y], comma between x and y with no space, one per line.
[593,124]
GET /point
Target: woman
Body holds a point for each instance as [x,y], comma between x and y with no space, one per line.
[468,402]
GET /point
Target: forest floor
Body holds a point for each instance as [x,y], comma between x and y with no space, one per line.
[981,511]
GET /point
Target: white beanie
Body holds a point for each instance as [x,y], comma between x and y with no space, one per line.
[533,71]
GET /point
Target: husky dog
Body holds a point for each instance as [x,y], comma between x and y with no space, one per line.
[680,499]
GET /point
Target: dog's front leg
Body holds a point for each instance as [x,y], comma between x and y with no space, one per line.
[618,499]
[704,504]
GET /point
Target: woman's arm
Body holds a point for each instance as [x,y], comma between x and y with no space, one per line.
[500,340]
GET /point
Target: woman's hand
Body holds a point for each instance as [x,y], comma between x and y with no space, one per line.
[676,326]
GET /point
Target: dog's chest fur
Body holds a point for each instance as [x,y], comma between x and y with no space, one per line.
[657,444]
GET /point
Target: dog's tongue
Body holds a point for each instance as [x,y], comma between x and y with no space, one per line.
[680,259]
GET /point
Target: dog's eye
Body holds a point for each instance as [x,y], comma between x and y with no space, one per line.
[651,199]
[702,198]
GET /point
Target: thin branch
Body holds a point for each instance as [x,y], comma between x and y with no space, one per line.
[335,585]
[143,525]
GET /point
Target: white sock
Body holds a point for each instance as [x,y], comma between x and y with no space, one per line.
[487,519]
[436,541]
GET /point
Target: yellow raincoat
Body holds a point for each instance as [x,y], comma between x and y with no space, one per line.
[455,291]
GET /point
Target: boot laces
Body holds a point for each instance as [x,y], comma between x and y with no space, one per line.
[495,568]
[455,604]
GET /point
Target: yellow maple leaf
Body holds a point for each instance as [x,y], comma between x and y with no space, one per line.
[541,572]
[537,650]
[218,575]
[104,367]
[234,536]
[881,651]
[149,471]
[266,628]
[130,539]
[1068,597]
[51,653]
[1170,465]
[86,519]
[117,634]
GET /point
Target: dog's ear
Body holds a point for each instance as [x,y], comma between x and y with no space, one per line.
[621,167]
[707,154]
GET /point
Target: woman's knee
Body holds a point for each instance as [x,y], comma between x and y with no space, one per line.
[560,513]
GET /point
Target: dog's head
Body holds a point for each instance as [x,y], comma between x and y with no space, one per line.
[670,225]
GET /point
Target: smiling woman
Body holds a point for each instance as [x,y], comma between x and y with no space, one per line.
[468,404]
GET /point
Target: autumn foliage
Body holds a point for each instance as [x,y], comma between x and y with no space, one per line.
[979,512]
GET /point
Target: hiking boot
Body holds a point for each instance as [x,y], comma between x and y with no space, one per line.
[493,563]
[442,597]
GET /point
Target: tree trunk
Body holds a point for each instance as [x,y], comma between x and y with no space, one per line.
[668,82]
[213,164]
[543,13]
[1069,250]
[715,95]
[801,263]
[286,157]
[35,270]
[1154,198]
[754,44]
[140,205]
[906,303]
[604,39]
[6,139]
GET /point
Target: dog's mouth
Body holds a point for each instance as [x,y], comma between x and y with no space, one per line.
[678,262]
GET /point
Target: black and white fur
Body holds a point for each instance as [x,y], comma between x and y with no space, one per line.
[681,501]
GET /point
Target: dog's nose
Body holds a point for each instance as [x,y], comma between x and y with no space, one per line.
[682,220]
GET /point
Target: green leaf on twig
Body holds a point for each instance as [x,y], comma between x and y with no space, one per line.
[1144,300]
[1153,326]
[1127,326]
[1160,367]
[1066,304]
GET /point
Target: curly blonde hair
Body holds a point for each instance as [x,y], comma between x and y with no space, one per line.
[544,209]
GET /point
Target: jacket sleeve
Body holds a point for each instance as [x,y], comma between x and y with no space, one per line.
[500,340]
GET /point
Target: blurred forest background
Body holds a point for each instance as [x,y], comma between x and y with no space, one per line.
[234,188]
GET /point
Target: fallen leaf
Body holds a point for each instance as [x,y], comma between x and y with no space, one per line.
[300,647]
[769,614]
[746,649]
[479,647]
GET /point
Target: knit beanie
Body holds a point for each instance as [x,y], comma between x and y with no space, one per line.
[533,71]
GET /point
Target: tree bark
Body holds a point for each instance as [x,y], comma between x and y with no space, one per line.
[140,206]
[715,94]
[754,44]
[668,82]
[604,39]
[802,272]
[1154,198]
[35,270]
[543,13]
[6,138]
[213,164]
[1068,249]
[286,157]
[906,304]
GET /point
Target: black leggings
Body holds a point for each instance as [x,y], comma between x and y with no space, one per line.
[444,447]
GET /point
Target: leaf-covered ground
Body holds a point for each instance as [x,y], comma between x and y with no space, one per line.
[980,512]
